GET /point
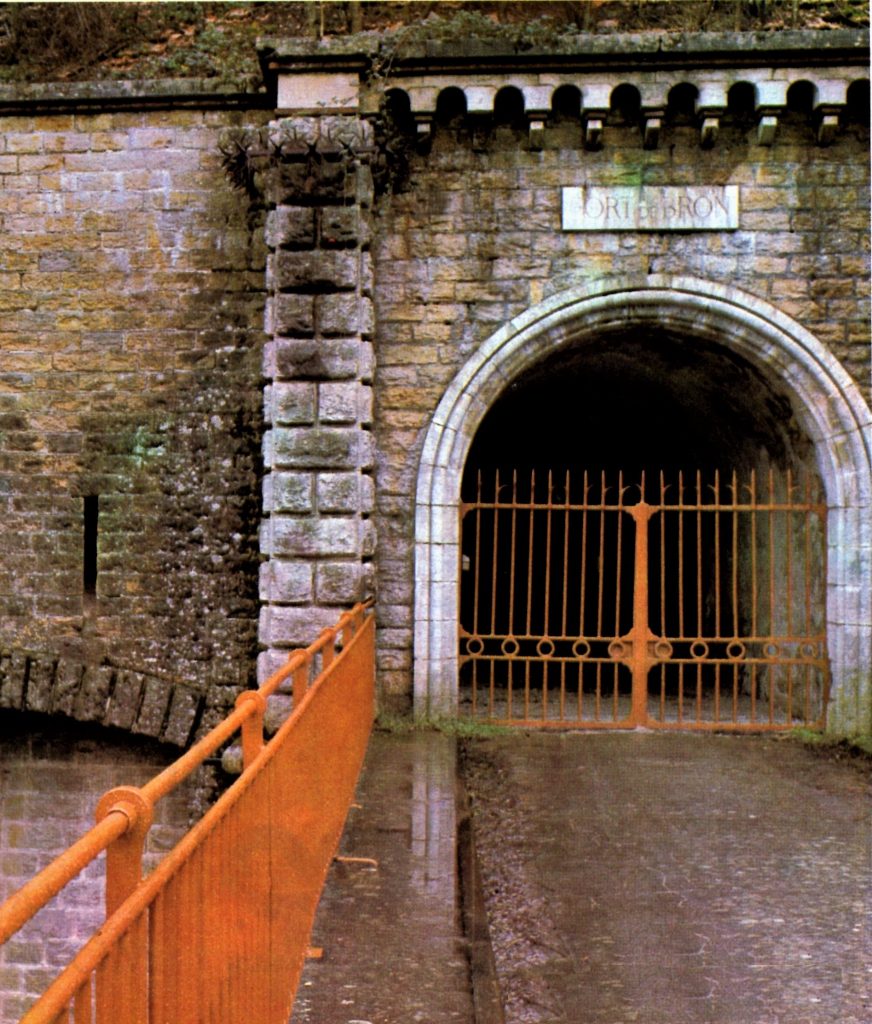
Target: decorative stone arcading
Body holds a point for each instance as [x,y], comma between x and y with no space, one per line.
[317,536]
[765,100]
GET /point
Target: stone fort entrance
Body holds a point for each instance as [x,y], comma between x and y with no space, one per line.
[623,381]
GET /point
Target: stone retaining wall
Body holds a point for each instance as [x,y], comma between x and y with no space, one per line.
[130,360]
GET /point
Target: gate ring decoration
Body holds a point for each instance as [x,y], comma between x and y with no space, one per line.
[581,649]
[735,650]
[474,645]
[545,648]
[510,647]
[699,649]
[808,651]
[662,649]
[770,650]
[618,650]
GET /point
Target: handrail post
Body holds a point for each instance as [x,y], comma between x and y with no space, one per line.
[301,679]
[252,727]
[124,993]
[327,638]
[124,856]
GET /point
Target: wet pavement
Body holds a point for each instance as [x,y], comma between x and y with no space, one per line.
[674,879]
[628,877]
[393,943]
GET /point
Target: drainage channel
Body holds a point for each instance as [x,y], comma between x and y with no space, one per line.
[486,999]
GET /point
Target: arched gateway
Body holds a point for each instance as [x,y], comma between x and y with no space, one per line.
[826,404]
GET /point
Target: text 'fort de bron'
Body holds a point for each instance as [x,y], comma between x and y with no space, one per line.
[651,208]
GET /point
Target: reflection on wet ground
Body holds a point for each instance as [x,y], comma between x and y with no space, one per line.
[673,878]
[393,948]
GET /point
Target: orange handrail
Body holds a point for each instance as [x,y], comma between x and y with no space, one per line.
[218,931]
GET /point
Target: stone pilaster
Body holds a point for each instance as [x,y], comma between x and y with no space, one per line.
[317,535]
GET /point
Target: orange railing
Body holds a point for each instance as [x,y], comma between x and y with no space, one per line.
[219,930]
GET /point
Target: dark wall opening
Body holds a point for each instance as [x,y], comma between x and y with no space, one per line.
[591,421]
[632,402]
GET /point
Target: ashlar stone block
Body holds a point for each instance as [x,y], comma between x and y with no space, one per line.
[316,360]
[316,271]
[339,492]
[291,492]
[339,402]
[291,404]
[340,583]
[291,227]
[313,448]
[286,582]
[291,315]
[313,538]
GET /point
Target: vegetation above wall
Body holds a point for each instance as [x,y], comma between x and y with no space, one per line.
[86,41]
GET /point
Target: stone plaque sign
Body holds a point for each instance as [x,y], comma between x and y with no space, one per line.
[651,208]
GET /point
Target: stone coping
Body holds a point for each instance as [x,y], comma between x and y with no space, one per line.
[111,94]
[364,51]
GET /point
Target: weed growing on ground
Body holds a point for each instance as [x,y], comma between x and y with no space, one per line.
[401,725]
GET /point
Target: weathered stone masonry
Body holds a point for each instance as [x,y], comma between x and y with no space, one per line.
[469,250]
[130,374]
[268,392]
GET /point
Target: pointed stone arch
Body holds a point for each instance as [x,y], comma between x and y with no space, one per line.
[827,403]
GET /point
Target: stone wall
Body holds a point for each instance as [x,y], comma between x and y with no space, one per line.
[130,367]
[53,775]
[474,238]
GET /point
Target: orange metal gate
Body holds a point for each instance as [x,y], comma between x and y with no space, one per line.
[594,603]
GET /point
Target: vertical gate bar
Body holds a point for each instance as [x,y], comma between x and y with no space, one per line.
[496,514]
[772,676]
[662,556]
[716,513]
[735,560]
[698,555]
[532,520]
[598,692]
[788,540]
[477,566]
[640,665]
[717,707]
[771,554]
[527,663]
[807,568]
[753,691]
[789,668]
[752,500]
[583,557]
[699,691]
[474,681]
[618,555]
[681,630]
[565,556]
[492,691]
[513,535]
[546,627]
[681,667]
[663,691]
[602,540]
[562,691]
[735,692]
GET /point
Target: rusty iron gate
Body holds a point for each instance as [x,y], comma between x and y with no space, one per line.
[694,603]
